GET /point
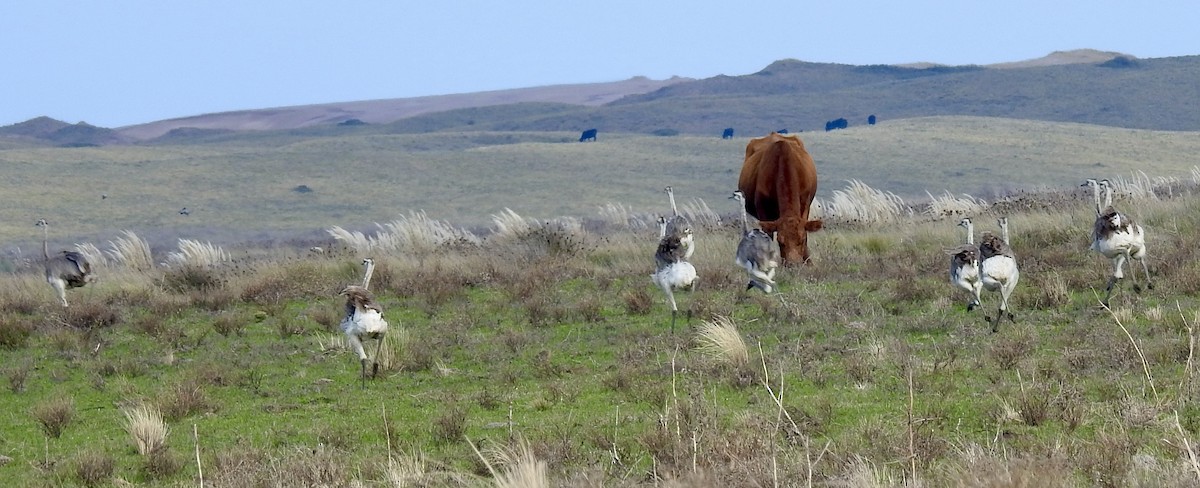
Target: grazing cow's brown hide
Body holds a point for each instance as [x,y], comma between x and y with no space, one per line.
[779,180]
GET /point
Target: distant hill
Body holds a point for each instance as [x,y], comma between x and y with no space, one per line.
[383,111]
[1080,86]
[46,130]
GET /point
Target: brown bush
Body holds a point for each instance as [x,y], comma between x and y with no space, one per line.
[91,315]
[189,278]
[14,332]
[638,302]
[450,426]
[184,399]
[294,281]
[94,468]
[161,463]
[54,415]
[228,324]
[17,375]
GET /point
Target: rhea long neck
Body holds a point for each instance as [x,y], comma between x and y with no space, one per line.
[367,276]
[45,242]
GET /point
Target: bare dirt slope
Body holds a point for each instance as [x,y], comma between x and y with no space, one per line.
[390,110]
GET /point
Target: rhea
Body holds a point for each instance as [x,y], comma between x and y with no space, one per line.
[364,320]
[678,225]
[998,270]
[757,252]
[964,265]
[1118,238]
[672,270]
[68,269]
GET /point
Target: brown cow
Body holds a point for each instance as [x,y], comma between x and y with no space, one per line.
[779,180]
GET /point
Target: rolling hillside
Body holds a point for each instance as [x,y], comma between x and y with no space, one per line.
[267,186]
[1082,86]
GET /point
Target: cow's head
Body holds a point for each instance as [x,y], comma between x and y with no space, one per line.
[792,235]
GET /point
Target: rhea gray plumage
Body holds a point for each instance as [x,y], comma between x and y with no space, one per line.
[1118,238]
[757,252]
[672,271]
[998,271]
[964,265]
[68,269]
[678,225]
[364,320]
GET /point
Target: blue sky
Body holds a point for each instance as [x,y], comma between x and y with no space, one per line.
[119,63]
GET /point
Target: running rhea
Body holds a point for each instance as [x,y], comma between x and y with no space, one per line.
[672,270]
[678,225]
[1118,238]
[964,265]
[364,320]
[67,269]
[757,252]
[998,271]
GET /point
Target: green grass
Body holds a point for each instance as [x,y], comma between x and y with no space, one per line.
[506,343]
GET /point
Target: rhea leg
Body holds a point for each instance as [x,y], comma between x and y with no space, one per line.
[1141,257]
[976,289]
[375,360]
[1118,273]
[671,300]
[60,287]
[357,346]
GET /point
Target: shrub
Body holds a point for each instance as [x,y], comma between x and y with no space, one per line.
[229,324]
[184,399]
[638,302]
[88,316]
[303,280]
[185,278]
[17,376]
[94,468]
[14,332]
[54,415]
[450,425]
[161,463]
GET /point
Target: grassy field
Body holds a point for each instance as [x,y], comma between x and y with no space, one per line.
[545,354]
[249,187]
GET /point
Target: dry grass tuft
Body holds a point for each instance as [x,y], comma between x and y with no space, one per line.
[131,252]
[621,216]
[949,205]
[93,254]
[518,466]
[862,204]
[510,225]
[719,339]
[700,215]
[197,254]
[414,233]
[862,473]
[145,424]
